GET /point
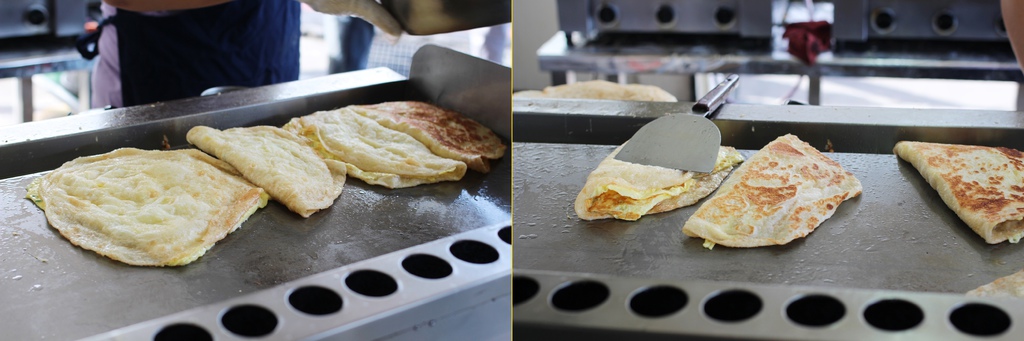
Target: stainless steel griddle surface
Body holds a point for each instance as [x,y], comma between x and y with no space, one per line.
[897,235]
[54,290]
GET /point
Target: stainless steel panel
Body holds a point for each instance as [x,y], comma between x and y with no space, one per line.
[437,79]
[615,319]
[975,20]
[850,129]
[13,21]
[69,19]
[747,18]
[472,303]
[26,57]
[574,16]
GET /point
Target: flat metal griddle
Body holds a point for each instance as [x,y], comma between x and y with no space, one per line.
[897,235]
[54,290]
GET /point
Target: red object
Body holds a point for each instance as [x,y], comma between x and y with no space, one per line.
[809,39]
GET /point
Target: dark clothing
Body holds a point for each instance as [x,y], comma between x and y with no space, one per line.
[241,43]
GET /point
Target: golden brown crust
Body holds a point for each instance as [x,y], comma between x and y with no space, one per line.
[781,193]
[1009,286]
[982,185]
[371,152]
[446,132]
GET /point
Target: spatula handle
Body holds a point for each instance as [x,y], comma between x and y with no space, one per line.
[716,97]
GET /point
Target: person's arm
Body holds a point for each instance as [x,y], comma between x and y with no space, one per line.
[1013,18]
[162,5]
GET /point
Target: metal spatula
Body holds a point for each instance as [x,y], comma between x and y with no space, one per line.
[684,141]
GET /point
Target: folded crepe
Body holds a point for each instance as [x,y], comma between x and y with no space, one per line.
[447,133]
[1009,286]
[983,185]
[372,152]
[140,207]
[781,193]
[601,89]
[627,191]
[276,160]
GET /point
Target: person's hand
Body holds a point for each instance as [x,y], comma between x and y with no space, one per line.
[369,10]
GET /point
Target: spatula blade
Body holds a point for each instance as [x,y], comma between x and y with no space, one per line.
[678,141]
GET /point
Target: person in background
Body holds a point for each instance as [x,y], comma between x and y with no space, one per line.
[348,43]
[153,50]
[490,42]
[1013,18]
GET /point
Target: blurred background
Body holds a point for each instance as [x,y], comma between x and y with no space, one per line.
[540,34]
[56,94]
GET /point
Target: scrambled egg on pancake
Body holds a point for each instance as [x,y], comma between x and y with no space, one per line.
[627,191]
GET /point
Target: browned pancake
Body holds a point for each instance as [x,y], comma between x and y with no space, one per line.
[983,185]
[447,133]
[781,193]
[1009,286]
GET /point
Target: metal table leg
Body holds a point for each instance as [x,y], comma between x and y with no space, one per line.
[814,90]
[84,91]
[558,77]
[25,90]
[1020,96]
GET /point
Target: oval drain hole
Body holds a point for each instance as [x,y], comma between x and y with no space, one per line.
[733,306]
[371,283]
[579,296]
[893,315]
[249,320]
[980,319]
[183,332]
[474,252]
[315,300]
[815,311]
[427,266]
[505,233]
[658,301]
[523,289]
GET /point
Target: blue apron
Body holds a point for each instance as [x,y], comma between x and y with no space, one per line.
[243,43]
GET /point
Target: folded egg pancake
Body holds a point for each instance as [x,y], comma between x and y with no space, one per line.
[783,192]
[447,133]
[627,191]
[372,152]
[1009,286]
[276,160]
[601,89]
[982,185]
[152,208]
